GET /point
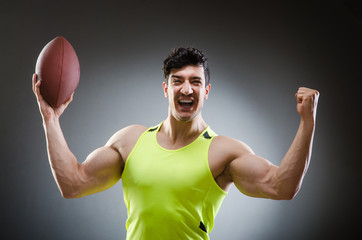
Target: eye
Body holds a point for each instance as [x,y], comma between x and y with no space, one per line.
[197,82]
[176,81]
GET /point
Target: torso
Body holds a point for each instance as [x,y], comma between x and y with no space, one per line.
[218,160]
[165,181]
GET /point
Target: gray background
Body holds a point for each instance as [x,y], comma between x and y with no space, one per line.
[259,54]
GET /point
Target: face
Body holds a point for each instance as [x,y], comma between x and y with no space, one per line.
[186,92]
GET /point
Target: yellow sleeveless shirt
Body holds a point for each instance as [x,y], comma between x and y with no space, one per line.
[170,194]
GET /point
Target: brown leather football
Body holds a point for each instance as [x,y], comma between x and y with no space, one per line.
[58,70]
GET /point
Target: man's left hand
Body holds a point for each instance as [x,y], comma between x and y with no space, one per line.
[307,100]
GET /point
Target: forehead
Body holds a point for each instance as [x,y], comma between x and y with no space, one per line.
[188,71]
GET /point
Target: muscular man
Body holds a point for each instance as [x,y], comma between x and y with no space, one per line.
[176,174]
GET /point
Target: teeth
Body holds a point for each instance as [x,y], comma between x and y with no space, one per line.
[185,101]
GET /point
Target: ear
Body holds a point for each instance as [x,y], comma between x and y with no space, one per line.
[165,88]
[207,90]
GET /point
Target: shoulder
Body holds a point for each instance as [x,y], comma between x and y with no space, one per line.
[222,152]
[125,139]
[228,148]
[127,135]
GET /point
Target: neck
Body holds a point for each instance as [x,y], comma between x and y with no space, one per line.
[183,130]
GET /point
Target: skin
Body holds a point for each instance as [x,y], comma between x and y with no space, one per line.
[230,160]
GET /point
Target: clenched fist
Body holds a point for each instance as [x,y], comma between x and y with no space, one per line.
[307,100]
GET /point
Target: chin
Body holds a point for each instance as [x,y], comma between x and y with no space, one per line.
[183,118]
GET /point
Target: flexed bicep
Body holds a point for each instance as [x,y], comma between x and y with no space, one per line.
[254,176]
[100,171]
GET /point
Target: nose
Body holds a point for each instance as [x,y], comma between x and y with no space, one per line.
[186,88]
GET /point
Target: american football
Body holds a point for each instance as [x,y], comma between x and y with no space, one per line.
[57,68]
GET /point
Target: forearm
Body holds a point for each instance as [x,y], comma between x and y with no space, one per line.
[295,163]
[63,163]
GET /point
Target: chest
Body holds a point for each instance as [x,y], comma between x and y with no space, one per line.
[151,168]
[216,159]
[151,163]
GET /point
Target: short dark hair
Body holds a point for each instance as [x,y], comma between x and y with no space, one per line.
[180,57]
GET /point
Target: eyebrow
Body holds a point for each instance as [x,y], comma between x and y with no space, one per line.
[179,77]
[175,76]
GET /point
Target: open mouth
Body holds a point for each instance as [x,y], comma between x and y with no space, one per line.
[186,103]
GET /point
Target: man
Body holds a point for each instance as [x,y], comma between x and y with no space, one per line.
[175,175]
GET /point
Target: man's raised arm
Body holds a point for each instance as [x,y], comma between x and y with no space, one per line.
[257,177]
[101,170]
